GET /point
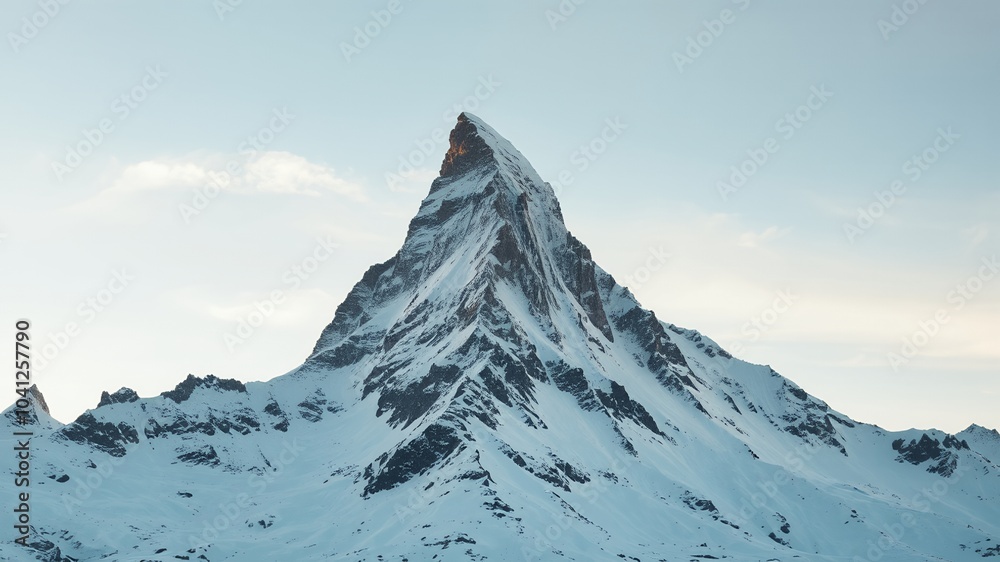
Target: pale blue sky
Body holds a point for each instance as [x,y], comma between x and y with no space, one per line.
[211,82]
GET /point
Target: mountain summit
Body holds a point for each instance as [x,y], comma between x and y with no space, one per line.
[490,393]
[472,144]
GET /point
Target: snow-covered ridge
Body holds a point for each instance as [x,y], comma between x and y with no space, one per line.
[490,393]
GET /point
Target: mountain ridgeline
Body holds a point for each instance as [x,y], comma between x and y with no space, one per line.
[490,393]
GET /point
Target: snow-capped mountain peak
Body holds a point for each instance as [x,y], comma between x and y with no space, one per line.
[472,143]
[490,393]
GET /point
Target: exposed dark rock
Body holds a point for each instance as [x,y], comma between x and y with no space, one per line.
[665,359]
[572,472]
[343,355]
[917,452]
[778,539]
[840,420]
[649,333]
[815,425]
[274,410]
[575,382]
[930,449]
[952,442]
[494,385]
[435,443]
[47,551]
[732,404]
[579,273]
[37,398]
[697,503]
[467,149]
[311,409]
[103,436]
[29,416]
[621,405]
[351,313]
[123,395]
[242,421]
[206,455]
[459,538]
[183,391]
[413,401]
[498,505]
[798,393]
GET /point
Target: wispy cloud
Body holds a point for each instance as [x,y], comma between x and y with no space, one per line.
[158,174]
[267,172]
[283,172]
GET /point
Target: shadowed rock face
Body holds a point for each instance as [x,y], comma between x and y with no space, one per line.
[104,436]
[121,396]
[184,390]
[467,149]
[37,399]
[930,449]
[433,445]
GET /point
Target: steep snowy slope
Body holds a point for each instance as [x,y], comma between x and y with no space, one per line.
[490,393]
